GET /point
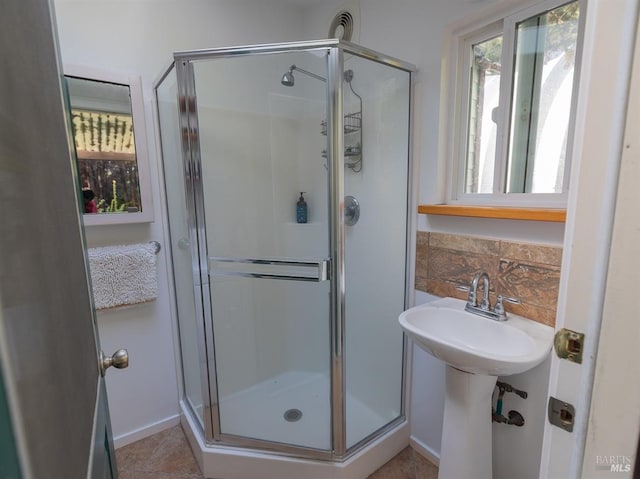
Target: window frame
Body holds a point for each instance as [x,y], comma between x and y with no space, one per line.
[138,115]
[499,20]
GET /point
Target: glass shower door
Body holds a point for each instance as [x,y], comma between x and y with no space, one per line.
[188,295]
[261,145]
[376,176]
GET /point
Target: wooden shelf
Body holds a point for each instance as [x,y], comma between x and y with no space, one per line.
[529,214]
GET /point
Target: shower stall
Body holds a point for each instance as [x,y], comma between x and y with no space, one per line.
[288,327]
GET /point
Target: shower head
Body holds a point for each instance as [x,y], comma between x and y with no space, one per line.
[289,80]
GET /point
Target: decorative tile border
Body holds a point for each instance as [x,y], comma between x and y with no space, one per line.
[528,272]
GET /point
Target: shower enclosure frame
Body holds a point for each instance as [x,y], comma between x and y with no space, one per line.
[188,124]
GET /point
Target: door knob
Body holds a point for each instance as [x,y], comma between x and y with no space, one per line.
[119,360]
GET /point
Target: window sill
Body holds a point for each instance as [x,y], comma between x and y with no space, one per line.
[527,214]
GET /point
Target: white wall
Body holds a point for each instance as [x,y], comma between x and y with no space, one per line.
[138,37]
[427,396]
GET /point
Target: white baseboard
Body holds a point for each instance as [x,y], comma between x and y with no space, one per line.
[425,451]
[148,430]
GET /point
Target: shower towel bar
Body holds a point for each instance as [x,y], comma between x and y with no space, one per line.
[307,270]
[157,245]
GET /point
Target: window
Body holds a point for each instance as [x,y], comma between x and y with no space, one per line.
[513,129]
[112,162]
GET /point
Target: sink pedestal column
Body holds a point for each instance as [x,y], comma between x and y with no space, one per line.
[466,450]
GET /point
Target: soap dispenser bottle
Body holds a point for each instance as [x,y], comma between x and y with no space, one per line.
[301,209]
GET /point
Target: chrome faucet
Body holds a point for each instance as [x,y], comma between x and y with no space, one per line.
[472,301]
[483,308]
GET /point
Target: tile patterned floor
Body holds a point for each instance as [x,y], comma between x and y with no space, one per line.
[167,455]
[407,465]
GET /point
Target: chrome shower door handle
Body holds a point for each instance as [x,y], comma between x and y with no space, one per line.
[119,360]
[269,268]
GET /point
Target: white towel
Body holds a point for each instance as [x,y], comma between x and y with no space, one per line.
[123,275]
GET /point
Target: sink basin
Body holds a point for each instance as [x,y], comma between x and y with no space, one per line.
[475,344]
[476,350]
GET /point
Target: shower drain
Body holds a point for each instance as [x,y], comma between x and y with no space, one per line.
[292,415]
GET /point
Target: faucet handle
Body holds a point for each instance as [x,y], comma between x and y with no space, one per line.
[508,299]
[471,298]
[499,307]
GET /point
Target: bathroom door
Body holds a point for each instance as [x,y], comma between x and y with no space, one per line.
[598,288]
[57,410]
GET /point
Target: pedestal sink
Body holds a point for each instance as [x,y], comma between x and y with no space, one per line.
[477,350]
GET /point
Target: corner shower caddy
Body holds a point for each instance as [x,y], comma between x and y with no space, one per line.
[352,125]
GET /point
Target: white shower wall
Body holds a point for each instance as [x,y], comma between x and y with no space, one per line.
[309,317]
[259,163]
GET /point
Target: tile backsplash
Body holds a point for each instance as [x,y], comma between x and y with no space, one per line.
[528,272]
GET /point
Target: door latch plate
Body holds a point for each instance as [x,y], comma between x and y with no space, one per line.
[561,414]
[569,345]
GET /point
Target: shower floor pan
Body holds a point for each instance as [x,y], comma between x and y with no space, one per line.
[258,412]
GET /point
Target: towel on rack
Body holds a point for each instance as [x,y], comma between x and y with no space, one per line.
[122,275]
